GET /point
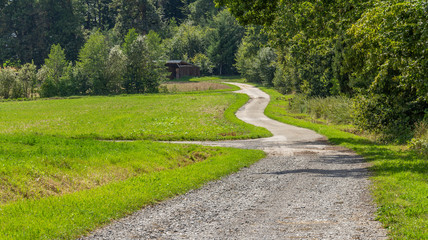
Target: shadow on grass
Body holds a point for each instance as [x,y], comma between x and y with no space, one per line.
[388,161]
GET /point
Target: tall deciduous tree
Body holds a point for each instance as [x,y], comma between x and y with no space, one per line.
[143,71]
[258,12]
[93,64]
[52,71]
[188,41]
[28,28]
[202,12]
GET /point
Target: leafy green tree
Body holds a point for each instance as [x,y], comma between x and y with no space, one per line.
[27,75]
[93,65]
[188,41]
[116,69]
[311,43]
[52,71]
[28,28]
[172,9]
[258,12]
[250,57]
[56,62]
[202,12]
[390,42]
[60,25]
[95,14]
[202,61]
[224,41]
[154,44]
[7,79]
[143,71]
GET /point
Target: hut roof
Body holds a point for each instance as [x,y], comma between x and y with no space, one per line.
[179,62]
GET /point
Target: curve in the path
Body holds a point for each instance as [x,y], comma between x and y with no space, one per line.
[304,189]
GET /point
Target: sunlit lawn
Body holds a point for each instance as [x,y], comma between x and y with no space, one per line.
[198,116]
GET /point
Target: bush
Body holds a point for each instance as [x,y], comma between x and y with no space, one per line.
[419,142]
[392,119]
[27,75]
[7,80]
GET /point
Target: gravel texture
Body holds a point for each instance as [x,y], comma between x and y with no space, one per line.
[304,189]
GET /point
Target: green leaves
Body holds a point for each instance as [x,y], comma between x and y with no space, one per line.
[391,39]
[92,63]
[251,11]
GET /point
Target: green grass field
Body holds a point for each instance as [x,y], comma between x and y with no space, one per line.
[197,116]
[59,181]
[400,177]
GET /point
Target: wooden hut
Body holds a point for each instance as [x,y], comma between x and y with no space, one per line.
[179,68]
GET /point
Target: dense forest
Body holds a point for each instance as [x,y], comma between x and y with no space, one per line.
[62,47]
[372,51]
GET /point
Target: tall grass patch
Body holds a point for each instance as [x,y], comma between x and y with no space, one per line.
[175,87]
[399,178]
[335,109]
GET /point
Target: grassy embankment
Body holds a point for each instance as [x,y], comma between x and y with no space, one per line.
[400,177]
[59,181]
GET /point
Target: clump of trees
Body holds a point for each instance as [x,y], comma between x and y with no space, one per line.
[373,51]
[85,47]
[20,83]
[255,60]
[102,68]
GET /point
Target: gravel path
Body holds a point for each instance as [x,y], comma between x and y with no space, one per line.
[304,189]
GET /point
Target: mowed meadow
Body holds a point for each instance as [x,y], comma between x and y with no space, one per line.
[195,116]
[65,169]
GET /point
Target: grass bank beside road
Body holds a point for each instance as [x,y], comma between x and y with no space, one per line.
[400,177]
[66,188]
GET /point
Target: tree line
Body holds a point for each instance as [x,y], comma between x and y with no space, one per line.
[374,51]
[61,48]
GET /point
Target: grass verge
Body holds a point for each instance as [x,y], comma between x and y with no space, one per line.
[33,167]
[68,216]
[400,177]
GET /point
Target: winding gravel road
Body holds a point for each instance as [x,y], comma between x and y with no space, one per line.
[304,189]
